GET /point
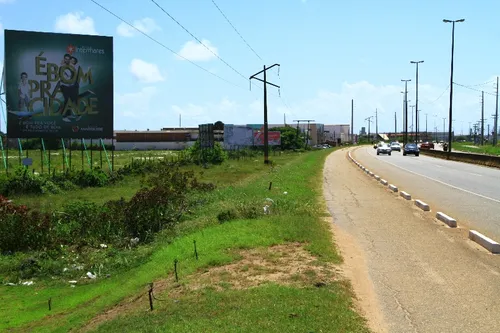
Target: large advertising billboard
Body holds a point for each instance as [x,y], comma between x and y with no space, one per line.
[273,138]
[238,135]
[58,85]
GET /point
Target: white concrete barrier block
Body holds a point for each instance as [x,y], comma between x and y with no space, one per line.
[384,182]
[450,221]
[393,188]
[488,243]
[405,195]
[377,177]
[422,205]
[371,174]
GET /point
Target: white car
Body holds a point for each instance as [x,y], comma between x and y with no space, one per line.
[384,149]
[395,146]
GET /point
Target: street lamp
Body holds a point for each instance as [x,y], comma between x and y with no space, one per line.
[405,140]
[416,98]
[450,118]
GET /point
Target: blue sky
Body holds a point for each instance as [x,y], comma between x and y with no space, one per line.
[330,52]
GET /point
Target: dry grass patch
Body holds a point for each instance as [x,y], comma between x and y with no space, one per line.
[288,264]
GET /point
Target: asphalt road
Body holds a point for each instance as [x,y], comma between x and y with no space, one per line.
[469,193]
[426,277]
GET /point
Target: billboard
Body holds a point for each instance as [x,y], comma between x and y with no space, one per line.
[273,138]
[58,85]
[238,135]
[206,135]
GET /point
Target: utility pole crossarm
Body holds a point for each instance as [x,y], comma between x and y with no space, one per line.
[269,83]
[262,71]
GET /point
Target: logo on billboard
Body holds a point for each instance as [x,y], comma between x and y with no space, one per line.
[70,49]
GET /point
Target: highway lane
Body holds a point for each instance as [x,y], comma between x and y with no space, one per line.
[469,193]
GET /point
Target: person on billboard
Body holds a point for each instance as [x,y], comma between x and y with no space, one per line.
[23,92]
[70,90]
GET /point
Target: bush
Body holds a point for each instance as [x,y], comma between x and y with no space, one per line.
[24,182]
[199,155]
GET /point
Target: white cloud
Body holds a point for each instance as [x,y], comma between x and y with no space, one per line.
[6,1]
[193,114]
[146,25]
[145,72]
[136,105]
[75,23]
[194,51]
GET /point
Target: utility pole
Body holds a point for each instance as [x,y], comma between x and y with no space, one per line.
[488,132]
[180,120]
[412,128]
[369,119]
[416,97]
[352,120]
[451,80]
[444,120]
[482,118]
[426,126]
[405,140]
[266,134]
[495,123]
[284,119]
[395,124]
[376,124]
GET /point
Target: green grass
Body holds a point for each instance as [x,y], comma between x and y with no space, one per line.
[470,147]
[295,217]
[96,158]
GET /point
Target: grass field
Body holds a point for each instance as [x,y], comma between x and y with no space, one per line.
[470,147]
[78,159]
[275,273]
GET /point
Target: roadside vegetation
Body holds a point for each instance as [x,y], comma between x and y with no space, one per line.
[229,244]
[471,147]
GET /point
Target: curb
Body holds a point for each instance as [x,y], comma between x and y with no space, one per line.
[393,188]
[405,195]
[488,243]
[422,205]
[450,221]
[384,182]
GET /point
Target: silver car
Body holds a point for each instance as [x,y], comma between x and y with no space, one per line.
[384,149]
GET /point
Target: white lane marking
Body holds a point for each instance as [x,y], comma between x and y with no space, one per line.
[474,174]
[437,165]
[441,182]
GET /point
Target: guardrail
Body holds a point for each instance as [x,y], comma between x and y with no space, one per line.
[481,159]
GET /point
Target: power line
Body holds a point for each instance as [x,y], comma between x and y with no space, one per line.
[164,46]
[198,40]
[481,84]
[469,87]
[236,30]
[441,95]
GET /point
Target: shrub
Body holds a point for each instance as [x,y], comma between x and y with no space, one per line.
[199,155]
[25,182]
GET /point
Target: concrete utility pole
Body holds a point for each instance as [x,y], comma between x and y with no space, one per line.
[266,134]
[416,98]
[352,121]
[405,138]
[369,119]
[376,124]
[395,124]
[495,123]
[450,124]
[426,126]
[412,125]
[482,118]
[444,121]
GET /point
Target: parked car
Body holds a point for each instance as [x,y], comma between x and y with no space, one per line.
[411,148]
[427,145]
[395,146]
[384,149]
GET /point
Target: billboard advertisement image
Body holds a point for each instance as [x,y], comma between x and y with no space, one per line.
[273,138]
[58,85]
[238,135]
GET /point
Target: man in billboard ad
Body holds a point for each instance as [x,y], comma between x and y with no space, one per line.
[58,85]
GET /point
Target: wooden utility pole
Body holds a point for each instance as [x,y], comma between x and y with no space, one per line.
[266,140]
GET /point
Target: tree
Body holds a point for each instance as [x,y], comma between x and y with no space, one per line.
[289,138]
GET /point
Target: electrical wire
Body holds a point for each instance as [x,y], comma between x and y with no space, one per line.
[469,87]
[198,40]
[166,47]
[236,30]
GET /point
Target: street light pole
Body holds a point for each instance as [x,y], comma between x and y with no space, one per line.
[416,98]
[450,120]
[405,139]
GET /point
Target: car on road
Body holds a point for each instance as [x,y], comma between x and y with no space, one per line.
[411,148]
[395,146]
[384,149]
[427,145]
